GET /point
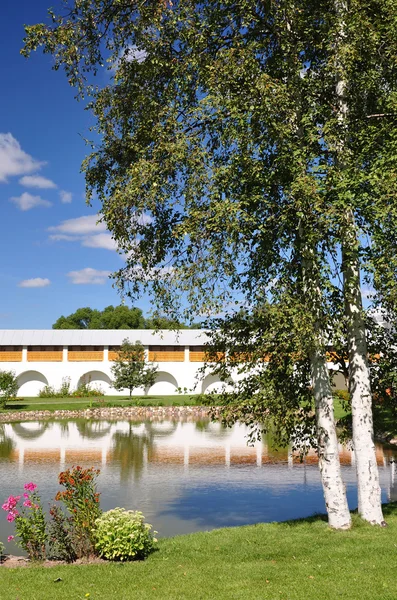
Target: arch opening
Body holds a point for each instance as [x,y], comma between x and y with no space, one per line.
[31,383]
[97,380]
[165,384]
[212,383]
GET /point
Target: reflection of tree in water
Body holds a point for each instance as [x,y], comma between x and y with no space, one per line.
[6,444]
[129,450]
[275,452]
[26,433]
[93,430]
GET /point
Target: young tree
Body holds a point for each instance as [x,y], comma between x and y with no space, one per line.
[130,369]
[8,387]
[248,159]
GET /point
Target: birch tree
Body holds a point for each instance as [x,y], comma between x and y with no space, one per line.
[246,164]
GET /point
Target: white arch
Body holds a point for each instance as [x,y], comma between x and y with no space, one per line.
[30,383]
[97,379]
[165,384]
[212,383]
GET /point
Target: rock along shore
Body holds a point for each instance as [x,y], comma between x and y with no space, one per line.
[139,413]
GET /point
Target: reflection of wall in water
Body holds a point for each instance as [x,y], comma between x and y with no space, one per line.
[133,445]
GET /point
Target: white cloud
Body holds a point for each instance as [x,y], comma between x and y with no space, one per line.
[13,160]
[89,276]
[26,201]
[63,237]
[37,181]
[130,54]
[79,226]
[85,230]
[36,282]
[66,197]
[101,240]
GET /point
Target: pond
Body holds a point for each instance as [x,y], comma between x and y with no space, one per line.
[184,476]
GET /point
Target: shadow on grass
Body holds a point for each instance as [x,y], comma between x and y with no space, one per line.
[389,510]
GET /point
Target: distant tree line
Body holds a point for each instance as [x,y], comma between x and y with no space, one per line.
[117,317]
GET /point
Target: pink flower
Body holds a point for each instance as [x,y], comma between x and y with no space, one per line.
[11,503]
[12,515]
[10,538]
[27,503]
[30,486]
[26,495]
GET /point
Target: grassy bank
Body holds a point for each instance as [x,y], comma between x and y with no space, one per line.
[299,560]
[94,402]
[52,404]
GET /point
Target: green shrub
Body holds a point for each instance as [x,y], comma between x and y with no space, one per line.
[85,390]
[81,500]
[121,534]
[8,387]
[344,397]
[48,391]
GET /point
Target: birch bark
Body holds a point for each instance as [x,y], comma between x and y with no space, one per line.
[369,492]
[368,487]
[328,450]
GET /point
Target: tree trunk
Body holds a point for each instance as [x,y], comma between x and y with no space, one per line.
[369,492]
[328,452]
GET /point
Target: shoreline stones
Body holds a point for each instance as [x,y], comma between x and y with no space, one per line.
[169,413]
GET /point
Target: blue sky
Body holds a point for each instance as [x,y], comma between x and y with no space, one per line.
[54,257]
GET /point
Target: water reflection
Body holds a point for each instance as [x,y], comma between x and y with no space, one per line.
[184,475]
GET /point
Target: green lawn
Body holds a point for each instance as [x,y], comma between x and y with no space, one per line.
[299,560]
[34,403]
[95,402]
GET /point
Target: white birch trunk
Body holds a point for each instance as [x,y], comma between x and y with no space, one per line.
[369,492]
[328,451]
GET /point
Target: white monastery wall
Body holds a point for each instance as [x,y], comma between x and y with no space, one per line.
[46,357]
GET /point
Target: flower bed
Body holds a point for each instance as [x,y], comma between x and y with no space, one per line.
[76,528]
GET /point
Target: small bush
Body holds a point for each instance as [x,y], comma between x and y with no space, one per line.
[85,390]
[61,536]
[344,397]
[8,387]
[82,502]
[29,519]
[48,391]
[122,535]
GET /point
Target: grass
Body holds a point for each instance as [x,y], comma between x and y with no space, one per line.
[297,560]
[52,404]
[95,402]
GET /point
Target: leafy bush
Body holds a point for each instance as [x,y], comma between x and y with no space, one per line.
[121,534]
[344,397]
[84,390]
[82,501]
[61,536]
[8,387]
[48,391]
[29,519]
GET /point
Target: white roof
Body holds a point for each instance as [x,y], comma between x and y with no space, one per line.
[100,337]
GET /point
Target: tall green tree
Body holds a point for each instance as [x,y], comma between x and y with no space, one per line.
[117,317]
[111,317]
[247,167]
[130,369]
